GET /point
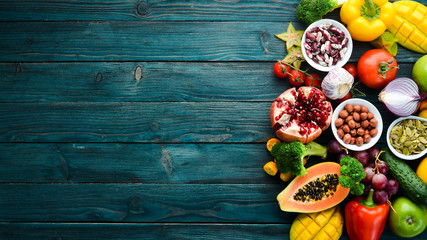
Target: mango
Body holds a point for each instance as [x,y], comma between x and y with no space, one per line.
[410,25]
[327,225]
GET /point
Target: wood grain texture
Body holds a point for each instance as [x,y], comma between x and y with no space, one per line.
[151,41]
[148,10]
[148,82]
[140,163]
[162,203]
[135,163]
[139,122]
[202,231]
[135,122]
[139,81]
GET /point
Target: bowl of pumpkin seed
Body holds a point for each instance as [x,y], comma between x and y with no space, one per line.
[407,137]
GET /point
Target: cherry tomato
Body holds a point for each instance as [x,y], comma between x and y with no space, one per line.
[351,69]
[281,70]
[313,80]
[296,78]
[376,68]
[346,97]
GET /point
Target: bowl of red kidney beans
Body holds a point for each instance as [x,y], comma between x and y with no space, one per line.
[326,44]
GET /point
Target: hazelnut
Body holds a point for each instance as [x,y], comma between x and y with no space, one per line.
[373,132]
[373,122]
[347,138]
[356,116]
[361,131]
[340,133]
[356,108]
[366,138]
[357,125]
[364,124]
[364,109]
[346,128]
[353,132]
[352,124]
[343,114]
[359,141]
[370,115]
[339,122]
[352,140]
[349,118]
[349,107]
[363,116]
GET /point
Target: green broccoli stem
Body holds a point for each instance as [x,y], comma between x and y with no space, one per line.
[369,201]
[370,10]
[316,149]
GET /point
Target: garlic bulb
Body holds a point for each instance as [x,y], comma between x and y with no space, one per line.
[337,83]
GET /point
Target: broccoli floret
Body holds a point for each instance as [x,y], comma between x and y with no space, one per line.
[352,172]
[289,156]
[309,11]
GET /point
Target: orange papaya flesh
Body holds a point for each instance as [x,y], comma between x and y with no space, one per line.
[316,191]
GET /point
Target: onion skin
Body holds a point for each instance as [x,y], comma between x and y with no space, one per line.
[401,97]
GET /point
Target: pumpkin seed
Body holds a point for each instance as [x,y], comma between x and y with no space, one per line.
[409,136]
[405,151]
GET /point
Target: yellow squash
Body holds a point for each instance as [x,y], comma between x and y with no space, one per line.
[327,225]
[410,25]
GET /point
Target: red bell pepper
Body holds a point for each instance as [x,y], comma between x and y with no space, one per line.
[364,219]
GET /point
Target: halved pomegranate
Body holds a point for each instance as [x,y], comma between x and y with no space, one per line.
[300,115]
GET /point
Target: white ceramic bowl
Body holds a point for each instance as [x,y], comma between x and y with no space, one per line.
[342,61]
[372,109]
[393,150]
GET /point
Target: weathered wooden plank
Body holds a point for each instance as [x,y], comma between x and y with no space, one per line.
[139,122]
[202,231]
[135,122]
[243,203]
[139,81]
[147,81]
[151,41]
[199,231]
[134,163]
[130,10]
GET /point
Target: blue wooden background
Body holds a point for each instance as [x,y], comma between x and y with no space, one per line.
[144,119]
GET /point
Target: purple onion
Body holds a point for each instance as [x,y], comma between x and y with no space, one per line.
[401,96]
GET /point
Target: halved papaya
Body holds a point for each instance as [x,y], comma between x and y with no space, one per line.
[316,191]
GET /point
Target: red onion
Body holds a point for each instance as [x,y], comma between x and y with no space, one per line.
[401,96]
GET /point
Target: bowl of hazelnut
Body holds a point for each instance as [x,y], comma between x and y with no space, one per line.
[357,124]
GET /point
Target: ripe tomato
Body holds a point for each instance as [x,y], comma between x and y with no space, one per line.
[281,70]
[376,68]
[296,78]
[313,80]
[351,69]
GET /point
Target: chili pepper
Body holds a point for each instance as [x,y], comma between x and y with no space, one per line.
[364,219]
[367,19]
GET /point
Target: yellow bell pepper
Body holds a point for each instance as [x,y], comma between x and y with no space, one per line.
[367,19]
